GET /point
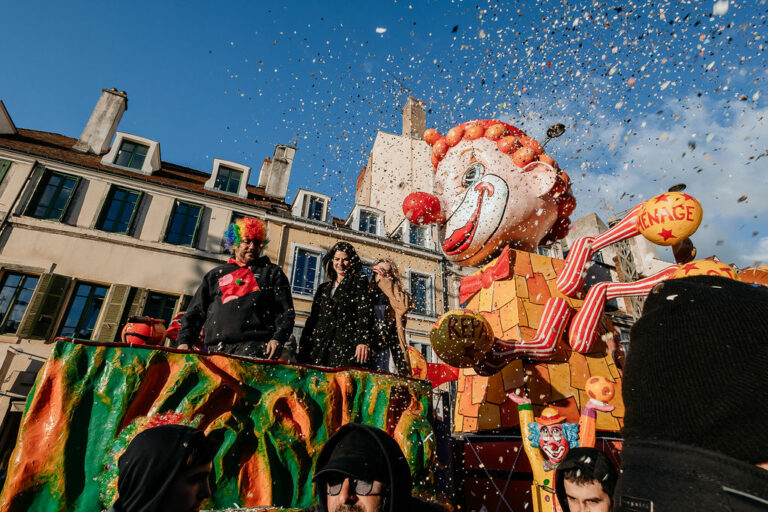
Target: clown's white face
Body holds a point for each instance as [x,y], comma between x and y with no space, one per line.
[553,443]
[489,202]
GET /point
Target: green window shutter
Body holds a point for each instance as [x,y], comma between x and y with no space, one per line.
[113,312]
[44,306]
[4,166]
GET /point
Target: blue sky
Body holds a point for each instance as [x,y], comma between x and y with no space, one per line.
[652,94]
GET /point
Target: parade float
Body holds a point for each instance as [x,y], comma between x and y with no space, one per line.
[529,340]
[269,419]
[528,349]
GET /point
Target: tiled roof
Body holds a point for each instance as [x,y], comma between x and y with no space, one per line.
[59,147]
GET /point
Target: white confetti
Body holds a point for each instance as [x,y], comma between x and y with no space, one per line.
[381,30]
[720,8]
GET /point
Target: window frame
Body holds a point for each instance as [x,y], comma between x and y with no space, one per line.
[90,299]
[107,203]
[42,184]
[430,291]
[136,145]
[319,272]
[308,200]
[14,298]
[371,214]
[231,170]
[176,204]
[165,297]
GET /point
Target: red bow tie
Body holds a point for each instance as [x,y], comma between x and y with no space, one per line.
[470,285]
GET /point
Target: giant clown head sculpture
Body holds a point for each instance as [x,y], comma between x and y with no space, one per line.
[553,436]
[494,186]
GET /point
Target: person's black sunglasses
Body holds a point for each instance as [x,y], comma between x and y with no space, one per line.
[357,486]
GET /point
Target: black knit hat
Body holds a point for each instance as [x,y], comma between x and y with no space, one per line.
[697,368]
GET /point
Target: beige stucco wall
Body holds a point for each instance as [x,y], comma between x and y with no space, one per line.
[398,166]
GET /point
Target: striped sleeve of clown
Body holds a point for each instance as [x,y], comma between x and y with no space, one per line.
[530,440]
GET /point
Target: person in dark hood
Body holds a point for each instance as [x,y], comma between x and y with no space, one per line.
[585,480]
[245,306]
[362,469]
[164,469]
[340,329]
[695,390]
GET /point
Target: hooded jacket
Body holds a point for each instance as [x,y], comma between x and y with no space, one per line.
[589,460]
[245,314]
[381,445]
[149,465]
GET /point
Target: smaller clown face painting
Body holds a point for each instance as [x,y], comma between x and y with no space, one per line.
[553,443]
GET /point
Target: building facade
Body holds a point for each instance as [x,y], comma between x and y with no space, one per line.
[96,229]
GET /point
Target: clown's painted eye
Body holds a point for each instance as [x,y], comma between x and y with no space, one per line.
[472,174]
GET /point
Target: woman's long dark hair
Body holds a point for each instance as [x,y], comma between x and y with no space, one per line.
[354,260]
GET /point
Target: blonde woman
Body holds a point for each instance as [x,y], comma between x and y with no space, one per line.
[391,305]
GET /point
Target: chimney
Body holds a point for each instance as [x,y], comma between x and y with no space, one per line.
[414,119]
[6,123]
[264,172]
[103,122]
[280,171]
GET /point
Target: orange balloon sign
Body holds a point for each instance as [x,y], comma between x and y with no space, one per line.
[669,218]
[461,338]
[706,268]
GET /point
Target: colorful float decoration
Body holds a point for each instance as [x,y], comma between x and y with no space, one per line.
[527,328]
[548,438]
[268,419]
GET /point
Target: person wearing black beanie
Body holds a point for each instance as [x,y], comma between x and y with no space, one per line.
[696,396]
[164,469]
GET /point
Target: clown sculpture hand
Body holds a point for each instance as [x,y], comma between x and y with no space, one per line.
[546,440]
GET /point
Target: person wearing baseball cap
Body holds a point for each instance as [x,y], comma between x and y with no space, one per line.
[362,469]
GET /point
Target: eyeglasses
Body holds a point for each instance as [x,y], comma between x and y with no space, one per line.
[357,486]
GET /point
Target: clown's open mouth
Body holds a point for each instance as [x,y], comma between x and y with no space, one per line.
[554,454]
[461,239]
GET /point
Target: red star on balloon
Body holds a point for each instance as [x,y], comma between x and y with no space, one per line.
[689,198]
[689,267]
[662,197]
[667,234]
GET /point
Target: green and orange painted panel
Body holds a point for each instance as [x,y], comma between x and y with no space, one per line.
[269,419]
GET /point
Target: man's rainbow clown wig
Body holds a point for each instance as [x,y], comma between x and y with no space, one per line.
[247,227]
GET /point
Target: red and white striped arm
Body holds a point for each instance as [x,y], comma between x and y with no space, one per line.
[571,278]
[582,334]
[551,327]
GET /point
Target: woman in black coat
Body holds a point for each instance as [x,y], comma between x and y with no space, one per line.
[339,330]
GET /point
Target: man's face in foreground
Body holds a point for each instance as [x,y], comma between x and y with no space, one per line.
[353,495]
[587,497]
[188,490]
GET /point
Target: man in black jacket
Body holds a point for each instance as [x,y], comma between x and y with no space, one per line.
[362,469]
[244,307]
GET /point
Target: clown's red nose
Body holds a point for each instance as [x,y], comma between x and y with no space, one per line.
[422,208]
